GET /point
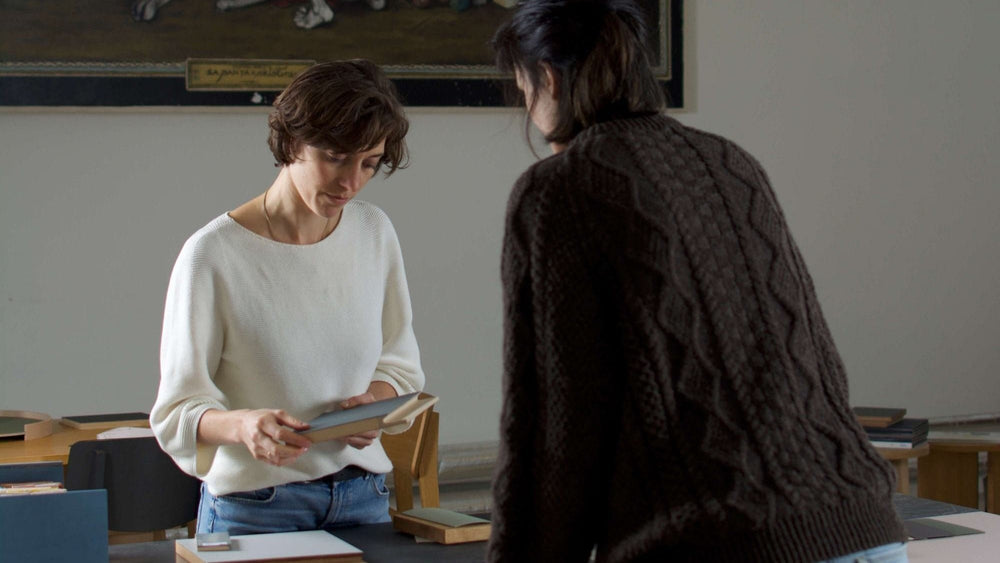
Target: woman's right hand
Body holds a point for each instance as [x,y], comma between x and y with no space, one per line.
[268,434]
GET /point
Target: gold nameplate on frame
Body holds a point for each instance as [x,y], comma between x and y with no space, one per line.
[241,74]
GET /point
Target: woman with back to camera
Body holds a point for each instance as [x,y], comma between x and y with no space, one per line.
[293,304]
[671,389]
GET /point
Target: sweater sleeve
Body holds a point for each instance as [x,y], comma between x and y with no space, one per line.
[399,363]
[561,399]
[190,350]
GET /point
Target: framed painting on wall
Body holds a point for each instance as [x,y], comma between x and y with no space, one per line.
[102,53]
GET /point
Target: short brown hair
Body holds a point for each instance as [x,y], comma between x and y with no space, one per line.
[597,51]
[344,106]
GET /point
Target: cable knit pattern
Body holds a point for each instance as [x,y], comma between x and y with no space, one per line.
[671,389]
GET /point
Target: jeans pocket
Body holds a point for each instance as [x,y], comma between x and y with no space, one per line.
[378,485]
[257,496]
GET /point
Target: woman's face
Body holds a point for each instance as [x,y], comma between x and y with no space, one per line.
[326,180]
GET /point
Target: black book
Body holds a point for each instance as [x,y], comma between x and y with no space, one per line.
[109,420]
[906,430]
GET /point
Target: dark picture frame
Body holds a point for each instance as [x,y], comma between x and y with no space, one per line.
[114,61]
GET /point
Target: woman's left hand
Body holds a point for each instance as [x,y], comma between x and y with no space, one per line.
[377,391]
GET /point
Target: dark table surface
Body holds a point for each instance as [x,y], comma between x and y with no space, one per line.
[910,507]
[381,543]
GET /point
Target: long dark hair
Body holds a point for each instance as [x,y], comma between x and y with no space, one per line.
[597,51]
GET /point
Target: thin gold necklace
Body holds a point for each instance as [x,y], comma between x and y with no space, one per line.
[270,229]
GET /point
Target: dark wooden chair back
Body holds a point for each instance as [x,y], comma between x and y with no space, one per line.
[147,492]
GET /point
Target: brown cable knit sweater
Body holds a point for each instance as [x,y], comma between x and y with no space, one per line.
[671,389]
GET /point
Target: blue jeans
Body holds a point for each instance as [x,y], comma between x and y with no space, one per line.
[888,553]
[309,505]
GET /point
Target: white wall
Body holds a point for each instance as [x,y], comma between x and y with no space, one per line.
[876,120]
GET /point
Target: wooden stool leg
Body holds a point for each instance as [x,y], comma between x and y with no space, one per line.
[949,477]
[428,479]
[403,483]
[902,467]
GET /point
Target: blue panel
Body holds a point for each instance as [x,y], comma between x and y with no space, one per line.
[70,526]
[40,471]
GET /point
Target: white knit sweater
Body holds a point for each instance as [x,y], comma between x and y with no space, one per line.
[254,323]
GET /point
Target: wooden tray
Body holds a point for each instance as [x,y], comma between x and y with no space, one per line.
[439,532]
[28,424]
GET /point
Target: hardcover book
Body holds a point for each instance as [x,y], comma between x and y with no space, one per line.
[111,420]
[878,417]
[372,416]
[906,430]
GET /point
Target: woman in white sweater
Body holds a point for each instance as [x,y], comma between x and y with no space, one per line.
[293,304]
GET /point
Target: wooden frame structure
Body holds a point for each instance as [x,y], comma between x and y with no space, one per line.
[414,455]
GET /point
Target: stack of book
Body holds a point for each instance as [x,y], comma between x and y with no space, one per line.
[890,428]
[31,488]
